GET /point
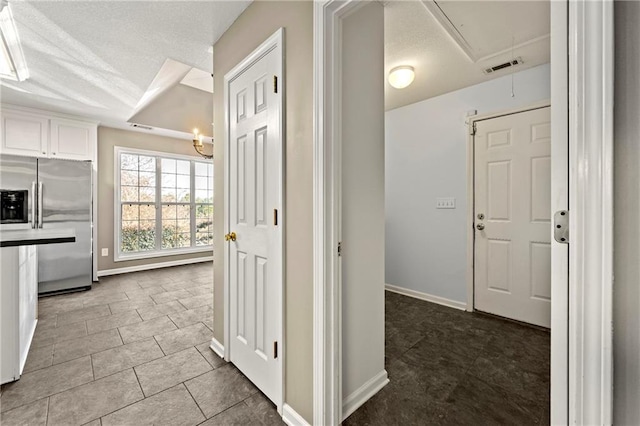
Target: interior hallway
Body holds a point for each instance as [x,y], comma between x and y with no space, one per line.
[452,367]
[133,350]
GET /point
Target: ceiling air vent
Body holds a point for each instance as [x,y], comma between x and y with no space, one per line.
[141,126]
[511,63]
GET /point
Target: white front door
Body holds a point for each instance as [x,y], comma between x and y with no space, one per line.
[512,216]
[255,272]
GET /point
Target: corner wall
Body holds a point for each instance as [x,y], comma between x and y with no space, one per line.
[626,260]
[108,138]
[426,158]
[259,21]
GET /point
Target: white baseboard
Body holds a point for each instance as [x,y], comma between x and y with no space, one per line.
[428,297]
[217,347]
[354,401]
[291,417]
[150,266]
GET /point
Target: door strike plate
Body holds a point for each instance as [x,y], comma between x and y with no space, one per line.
[561,226]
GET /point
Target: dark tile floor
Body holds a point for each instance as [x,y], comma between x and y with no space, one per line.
[132,351]
[451,367]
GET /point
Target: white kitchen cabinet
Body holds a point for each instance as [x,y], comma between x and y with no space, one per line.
[73,140]
[24,134]
[38,134]
[18,308]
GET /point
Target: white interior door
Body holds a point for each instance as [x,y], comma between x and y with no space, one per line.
[512,268]
[255,224]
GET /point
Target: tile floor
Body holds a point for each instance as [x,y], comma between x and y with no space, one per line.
[449,367]
[133,350]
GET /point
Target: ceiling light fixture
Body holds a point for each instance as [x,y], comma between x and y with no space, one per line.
[12,63]
[198,145]
[402,76]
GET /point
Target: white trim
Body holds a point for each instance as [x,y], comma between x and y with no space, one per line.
[470,121]
[559,201]
[162,253]
[274,43]
[217,347]
[291,417]
[327,293]
[591,46]
[361,395]
[167,133]
[427,297]
[150,266]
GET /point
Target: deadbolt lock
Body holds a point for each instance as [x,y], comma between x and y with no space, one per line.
[230,236]
[481,216]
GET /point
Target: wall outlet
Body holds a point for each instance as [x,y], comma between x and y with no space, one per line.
[105,252]
[445,203]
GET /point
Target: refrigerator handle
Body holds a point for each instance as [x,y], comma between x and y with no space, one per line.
[33,204]
[40,203]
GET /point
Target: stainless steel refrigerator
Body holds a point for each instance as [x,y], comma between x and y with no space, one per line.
[59,196]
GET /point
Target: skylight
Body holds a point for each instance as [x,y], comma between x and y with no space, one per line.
[12,63]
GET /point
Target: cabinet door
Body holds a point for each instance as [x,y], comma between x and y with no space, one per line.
[73,140]
[24,134]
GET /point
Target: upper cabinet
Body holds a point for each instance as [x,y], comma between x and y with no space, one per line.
[24,134]
[40,135]
[73,140]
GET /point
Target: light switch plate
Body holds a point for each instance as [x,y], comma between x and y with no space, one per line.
[105,252]
[445,203]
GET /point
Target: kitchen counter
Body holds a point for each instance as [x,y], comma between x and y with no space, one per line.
[27,237]
[19,293]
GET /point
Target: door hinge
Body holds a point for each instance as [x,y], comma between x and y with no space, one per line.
[275,84]
[474,129]
[561,226]
[275,217]
[275,350]
[340,248]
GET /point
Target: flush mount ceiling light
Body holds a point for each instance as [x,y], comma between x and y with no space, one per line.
[12,63]
[402,76]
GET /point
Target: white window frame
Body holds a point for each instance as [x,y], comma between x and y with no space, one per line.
[118,256]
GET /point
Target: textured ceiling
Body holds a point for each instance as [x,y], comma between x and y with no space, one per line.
[413,36]
[97,58]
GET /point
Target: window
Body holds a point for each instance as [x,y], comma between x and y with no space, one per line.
[164,204]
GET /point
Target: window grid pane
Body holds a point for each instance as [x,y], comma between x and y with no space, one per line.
[177,181]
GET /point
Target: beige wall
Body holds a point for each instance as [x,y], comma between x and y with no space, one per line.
[259,21]
[108,138]
[626,261]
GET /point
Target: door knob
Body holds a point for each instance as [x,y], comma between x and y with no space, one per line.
[230,237]
[480,226]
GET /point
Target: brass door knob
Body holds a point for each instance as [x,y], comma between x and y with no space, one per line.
[230,237]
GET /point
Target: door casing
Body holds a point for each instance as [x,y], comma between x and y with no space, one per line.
[581,35]
[274,42]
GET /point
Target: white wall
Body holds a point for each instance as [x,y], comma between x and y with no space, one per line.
[362,201]
[425,158]
[626,287]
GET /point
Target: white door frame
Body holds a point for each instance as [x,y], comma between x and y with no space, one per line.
[471,189]
[274,42]
[581,386]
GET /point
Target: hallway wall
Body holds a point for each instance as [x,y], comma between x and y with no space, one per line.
[626,286]
[259,21]
[425,158]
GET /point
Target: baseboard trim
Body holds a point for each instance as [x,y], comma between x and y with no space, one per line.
[291,416]
[425,296]
[217,347]
[364,393]
[150,266]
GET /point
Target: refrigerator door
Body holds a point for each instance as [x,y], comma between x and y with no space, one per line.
[66,203]
[20,173]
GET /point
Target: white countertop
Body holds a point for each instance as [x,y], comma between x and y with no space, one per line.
[25,237]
